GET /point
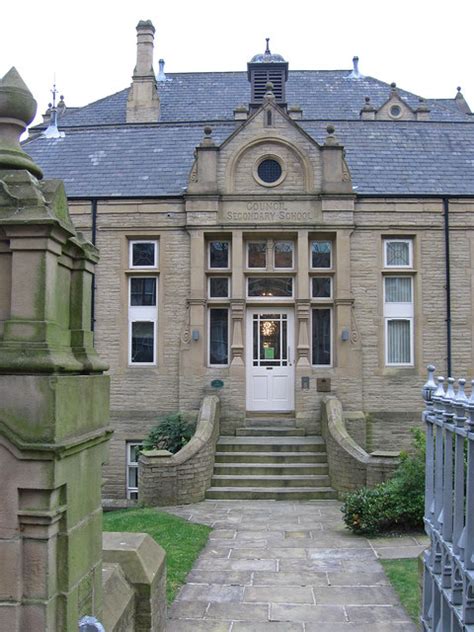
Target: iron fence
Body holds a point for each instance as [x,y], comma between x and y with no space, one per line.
[448,581]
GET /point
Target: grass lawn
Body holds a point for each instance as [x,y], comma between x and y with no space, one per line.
[403,574]
[181,540]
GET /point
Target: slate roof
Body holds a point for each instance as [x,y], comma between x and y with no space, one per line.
[101,156]
[212,96]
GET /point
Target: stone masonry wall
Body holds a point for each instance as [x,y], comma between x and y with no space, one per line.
[182,478]
[350,466]
[182,377]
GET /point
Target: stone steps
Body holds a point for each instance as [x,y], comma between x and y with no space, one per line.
[270,431]
[271,493]
[271,461]
[271,457]
[270,469]
[265,480]
[271,444]
[265,422]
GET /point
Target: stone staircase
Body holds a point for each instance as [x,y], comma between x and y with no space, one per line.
[270,459]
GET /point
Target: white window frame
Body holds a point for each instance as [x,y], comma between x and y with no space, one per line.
[322,298]
[399,311]
[130,254]
[388,240]
[226,307]
[145,314]
[284,241]
[218,298]
[331,252]
[256,241]
[229,254]
[270,298]
[331,336]
[131,465]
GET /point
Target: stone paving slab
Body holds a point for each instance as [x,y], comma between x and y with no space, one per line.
[288,567]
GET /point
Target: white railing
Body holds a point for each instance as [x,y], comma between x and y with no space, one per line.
[448,582]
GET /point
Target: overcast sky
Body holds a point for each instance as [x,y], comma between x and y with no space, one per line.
[90,45]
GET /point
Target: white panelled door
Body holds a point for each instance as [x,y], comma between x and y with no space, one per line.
[270,360]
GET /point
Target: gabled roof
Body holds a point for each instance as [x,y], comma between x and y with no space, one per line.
[103,156]
[155,160]
[212,96]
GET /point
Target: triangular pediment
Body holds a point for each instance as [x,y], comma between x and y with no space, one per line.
[395,109]
[269,134]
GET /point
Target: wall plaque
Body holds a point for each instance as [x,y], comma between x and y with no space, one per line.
[270,212]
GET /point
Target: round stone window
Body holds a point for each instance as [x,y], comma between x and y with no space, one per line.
[269,170]
[395,111]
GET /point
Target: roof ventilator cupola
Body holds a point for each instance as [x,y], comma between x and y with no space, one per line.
[264,68]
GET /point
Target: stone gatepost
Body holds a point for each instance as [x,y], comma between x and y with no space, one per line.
[54,398]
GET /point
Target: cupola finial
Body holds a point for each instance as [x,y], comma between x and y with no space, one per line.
[267,48]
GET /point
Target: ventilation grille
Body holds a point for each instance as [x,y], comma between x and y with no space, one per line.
[260,78]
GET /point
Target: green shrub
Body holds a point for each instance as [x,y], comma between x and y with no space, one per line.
[393,505]
[172,433]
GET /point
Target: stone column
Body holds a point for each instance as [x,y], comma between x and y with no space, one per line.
[54,399]
[238,301]
[303,304]
[343,300]
[197,302]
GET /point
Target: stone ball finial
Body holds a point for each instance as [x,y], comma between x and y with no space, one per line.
[16,101]
[269,86]
[330,138]
[17,110]
[393,85]
[459,88]
[207,141]
[367,99]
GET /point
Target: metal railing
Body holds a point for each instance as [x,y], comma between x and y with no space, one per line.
[448,581]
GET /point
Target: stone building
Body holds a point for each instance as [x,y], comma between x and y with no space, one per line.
[274,235]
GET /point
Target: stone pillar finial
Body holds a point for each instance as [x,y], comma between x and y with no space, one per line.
[207,140]
[17,110]
[331,138]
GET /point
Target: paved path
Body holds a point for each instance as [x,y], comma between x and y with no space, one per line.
[287,567]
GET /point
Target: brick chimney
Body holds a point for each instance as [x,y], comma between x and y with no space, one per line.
[143,105]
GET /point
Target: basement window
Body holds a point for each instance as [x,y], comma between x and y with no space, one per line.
[133,452]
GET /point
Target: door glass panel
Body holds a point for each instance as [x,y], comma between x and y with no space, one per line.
[270,347]
[270,340]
